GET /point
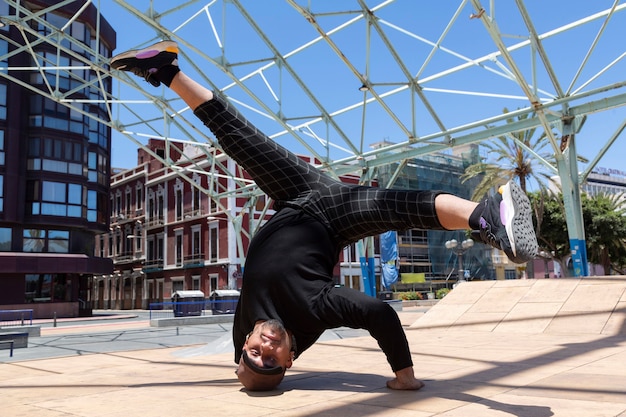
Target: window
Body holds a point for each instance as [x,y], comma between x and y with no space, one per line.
[179,204]
[5,239]
[213,242]
[127,202]
[195,282]
[160,205]
[47,288]
[139,197]
[55,155]
[41,240]
[92,205]
[214,187]
[118,204]
[196,246]
[178,285]
[213,282]
[3,96]
[1,147]
[179,248]
[68,195]
[1,193]
[160,247]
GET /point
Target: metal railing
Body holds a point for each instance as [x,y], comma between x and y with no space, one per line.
[16,318]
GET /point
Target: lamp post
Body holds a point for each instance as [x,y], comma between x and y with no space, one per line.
[459,249]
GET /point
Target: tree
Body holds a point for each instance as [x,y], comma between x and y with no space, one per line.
[605,228]
[604,220]
[552,236]
[508,158]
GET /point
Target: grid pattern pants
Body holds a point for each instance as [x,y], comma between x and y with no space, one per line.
[350,211]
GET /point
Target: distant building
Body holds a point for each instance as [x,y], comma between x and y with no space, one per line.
[168,235]
[607,181]
[423,251]
[54,171]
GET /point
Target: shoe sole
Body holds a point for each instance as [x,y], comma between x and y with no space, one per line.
[148,52]
[519,225]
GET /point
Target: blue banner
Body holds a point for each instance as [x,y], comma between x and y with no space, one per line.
[367,270]
[389,258]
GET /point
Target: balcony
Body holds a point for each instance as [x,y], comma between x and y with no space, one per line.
[191,214]
[154,222]
[153,265]
[194,260]
[124,257]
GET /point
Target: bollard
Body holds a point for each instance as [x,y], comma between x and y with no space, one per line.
[176,330]
[22,319]
[55,319]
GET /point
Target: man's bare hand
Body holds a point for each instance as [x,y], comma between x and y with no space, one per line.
[405,380]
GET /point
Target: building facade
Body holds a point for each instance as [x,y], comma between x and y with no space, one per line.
[168,234]
[423,253]
[54,170]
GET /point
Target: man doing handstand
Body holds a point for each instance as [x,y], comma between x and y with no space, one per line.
[288,297]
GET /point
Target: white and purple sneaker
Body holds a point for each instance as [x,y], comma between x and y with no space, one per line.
[506,224]
[146,62]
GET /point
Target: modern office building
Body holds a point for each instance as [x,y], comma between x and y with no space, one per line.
[54,166]
[609,181]
[424,252]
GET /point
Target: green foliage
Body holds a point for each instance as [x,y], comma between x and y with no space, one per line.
[549,215]
[605,229]
[508,158]
[442,292]
[410,295]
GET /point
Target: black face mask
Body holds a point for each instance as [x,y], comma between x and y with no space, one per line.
[275,370]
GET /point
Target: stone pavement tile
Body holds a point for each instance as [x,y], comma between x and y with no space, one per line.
[199,407]
[549,290]
[507,405]
[528,317]
[84,364]
[519,375]
[614,363]
[596,296]
[472,292]
[577,386]
[616,324]
[24,410]
[437,396]
[580,322]
[34,390]
[409,317]
[441,315]
[479,322]
[499,299]
[9,371]
[349,409]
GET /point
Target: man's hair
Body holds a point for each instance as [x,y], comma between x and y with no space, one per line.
[253,381]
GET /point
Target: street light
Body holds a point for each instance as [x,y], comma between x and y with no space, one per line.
[459,250]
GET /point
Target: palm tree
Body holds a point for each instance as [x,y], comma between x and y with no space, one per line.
[508,158]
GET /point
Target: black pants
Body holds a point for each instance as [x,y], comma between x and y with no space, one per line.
[350,211]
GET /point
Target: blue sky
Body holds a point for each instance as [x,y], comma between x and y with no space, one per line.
[453,96]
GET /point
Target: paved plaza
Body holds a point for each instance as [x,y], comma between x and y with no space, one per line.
[527,348]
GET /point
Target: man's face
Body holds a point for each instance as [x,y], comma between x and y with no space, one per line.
[267,346]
